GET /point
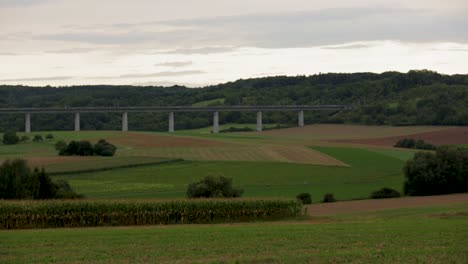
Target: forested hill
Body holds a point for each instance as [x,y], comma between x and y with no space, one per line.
[413,98]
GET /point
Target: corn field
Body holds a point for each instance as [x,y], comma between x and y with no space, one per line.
[89,213]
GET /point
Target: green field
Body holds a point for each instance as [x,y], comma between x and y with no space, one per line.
[367,172]
[244,159]
[423,235]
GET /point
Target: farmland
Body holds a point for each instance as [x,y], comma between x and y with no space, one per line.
[348,161]
[435,234]
[275,163]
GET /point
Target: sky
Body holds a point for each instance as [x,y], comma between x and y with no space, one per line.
[204,42]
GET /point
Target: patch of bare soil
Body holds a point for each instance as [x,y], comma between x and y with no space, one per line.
[135,139]
[348,207]
[448,136]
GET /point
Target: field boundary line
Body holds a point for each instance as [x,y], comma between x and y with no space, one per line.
[60,173]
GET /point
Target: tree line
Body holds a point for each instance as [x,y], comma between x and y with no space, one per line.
[391,98]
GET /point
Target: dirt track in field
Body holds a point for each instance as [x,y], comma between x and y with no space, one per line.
[348,207]
[448,136]
[157,141]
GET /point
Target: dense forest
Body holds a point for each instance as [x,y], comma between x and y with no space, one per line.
[415,98]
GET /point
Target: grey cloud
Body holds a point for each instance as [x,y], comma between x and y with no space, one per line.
[71,50]
[9,54]
[12,3]
[149,75]
[54,78]
[202,50]
[351,46]
[175,64]
[168,84]
[299,29]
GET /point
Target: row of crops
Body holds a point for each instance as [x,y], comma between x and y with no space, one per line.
[88,213]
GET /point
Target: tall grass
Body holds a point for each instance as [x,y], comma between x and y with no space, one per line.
[85,213]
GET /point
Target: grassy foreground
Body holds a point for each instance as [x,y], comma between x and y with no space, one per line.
[422,235]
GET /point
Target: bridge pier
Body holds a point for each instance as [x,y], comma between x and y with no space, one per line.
[77,121]
[259,121]
[216,122]
[125,122]
[301,118]
[27,127]
[171,122]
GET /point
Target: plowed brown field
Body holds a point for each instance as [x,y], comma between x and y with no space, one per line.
[339,132]
[348,207]
[448,136]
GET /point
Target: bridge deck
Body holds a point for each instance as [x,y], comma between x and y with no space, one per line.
[34,110]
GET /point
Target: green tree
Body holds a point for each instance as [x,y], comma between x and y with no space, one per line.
[212,187]
[10,138]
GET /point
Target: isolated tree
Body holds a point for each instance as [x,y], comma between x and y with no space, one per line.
[213,187]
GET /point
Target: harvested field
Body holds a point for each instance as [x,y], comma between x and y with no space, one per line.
[143,140]
[447,136]
[337,132]
[279,153]
[348,207]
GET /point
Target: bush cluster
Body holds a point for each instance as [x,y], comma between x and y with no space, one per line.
[304,198]
[85,148]
[213,187]
[385,193]
[414,144]
[329,198]
[442,172]
[10,138]
[85,213]
[18,181]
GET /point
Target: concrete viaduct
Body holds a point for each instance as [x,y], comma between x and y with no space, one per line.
[171,110]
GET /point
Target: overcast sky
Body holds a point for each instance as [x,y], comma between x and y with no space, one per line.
[202,42]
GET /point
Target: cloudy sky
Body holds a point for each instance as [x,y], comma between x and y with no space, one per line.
[202,42]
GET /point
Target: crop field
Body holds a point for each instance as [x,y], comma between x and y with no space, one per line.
[436,234]
[367,170]
[275,163]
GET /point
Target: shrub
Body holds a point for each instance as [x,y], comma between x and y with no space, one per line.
[17,181]
[49,136]
[84,148]
[442,172]
[385,193]
[10,138]
[60,145]
[24,139]
[104,148]
[37,138]
[79,148]
[213,186]
[304,198]
[236,129]
[329,198]
[413,144]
